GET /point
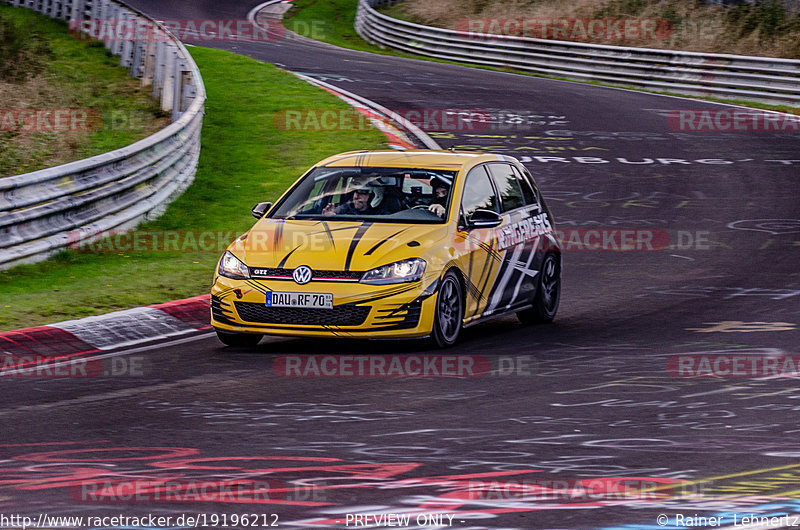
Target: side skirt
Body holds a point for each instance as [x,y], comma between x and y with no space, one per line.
[482,318]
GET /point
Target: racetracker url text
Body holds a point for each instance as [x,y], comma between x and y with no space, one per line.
[200,520]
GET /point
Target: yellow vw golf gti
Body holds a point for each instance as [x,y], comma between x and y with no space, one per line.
[390,244]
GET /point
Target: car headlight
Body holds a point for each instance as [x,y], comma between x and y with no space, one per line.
[231,267]
[409,270]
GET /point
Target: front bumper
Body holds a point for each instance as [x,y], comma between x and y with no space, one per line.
[359,310]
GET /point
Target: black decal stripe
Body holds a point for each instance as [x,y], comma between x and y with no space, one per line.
[286,258]
[258,287]
[486,247]
[331,230]
[501,273]
[429,290]
[329,234]
[473,290]
[485,274]
[379,243]
[523,269]
[385,294]
[354,243]
[277,242]
[363,298]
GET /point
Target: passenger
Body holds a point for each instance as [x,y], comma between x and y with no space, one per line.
[441,191]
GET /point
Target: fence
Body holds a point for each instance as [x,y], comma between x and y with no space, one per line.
[45,211]
[768,80]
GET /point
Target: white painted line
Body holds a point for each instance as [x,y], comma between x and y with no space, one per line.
[251,16]
[390,114]
[719,391]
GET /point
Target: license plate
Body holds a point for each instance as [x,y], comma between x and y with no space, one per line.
[309,300]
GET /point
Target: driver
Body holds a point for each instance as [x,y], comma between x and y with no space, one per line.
[364,201]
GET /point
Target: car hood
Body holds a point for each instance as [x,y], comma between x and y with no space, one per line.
[334,245]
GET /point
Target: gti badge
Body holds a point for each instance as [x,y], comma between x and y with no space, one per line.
[302,274]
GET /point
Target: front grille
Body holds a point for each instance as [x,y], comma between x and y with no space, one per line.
[274,273]
[343,315]
[220,310]
[406,317]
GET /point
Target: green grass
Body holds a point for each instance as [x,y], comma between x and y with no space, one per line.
[244,159]
[50,69]
[335,18]
[342,33]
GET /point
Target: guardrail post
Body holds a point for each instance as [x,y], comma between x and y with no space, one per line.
[149,59]
[127,26]
[120,29]
[76,15]
[139,48]
[177,97]
[96,11]
[189,90]
[160,66]
[168,87]
[110,13]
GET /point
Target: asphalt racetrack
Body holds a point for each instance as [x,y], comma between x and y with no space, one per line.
[591,422]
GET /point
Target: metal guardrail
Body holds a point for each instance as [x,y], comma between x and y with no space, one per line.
[47,210]
[768,80]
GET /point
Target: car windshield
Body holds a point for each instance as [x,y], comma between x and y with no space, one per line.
[411,195]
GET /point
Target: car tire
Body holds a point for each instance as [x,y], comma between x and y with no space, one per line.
[548,293]
[239,339]
[449,314]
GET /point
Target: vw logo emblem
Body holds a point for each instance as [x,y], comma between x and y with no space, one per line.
[302,274]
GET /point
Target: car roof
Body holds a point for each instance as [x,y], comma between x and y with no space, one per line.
[421,158]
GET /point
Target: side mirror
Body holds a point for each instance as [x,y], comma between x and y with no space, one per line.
[260,209]
[484,219]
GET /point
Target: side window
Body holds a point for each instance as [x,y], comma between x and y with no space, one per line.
[527,187]
[478,193]
[310,205]
[507,185]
